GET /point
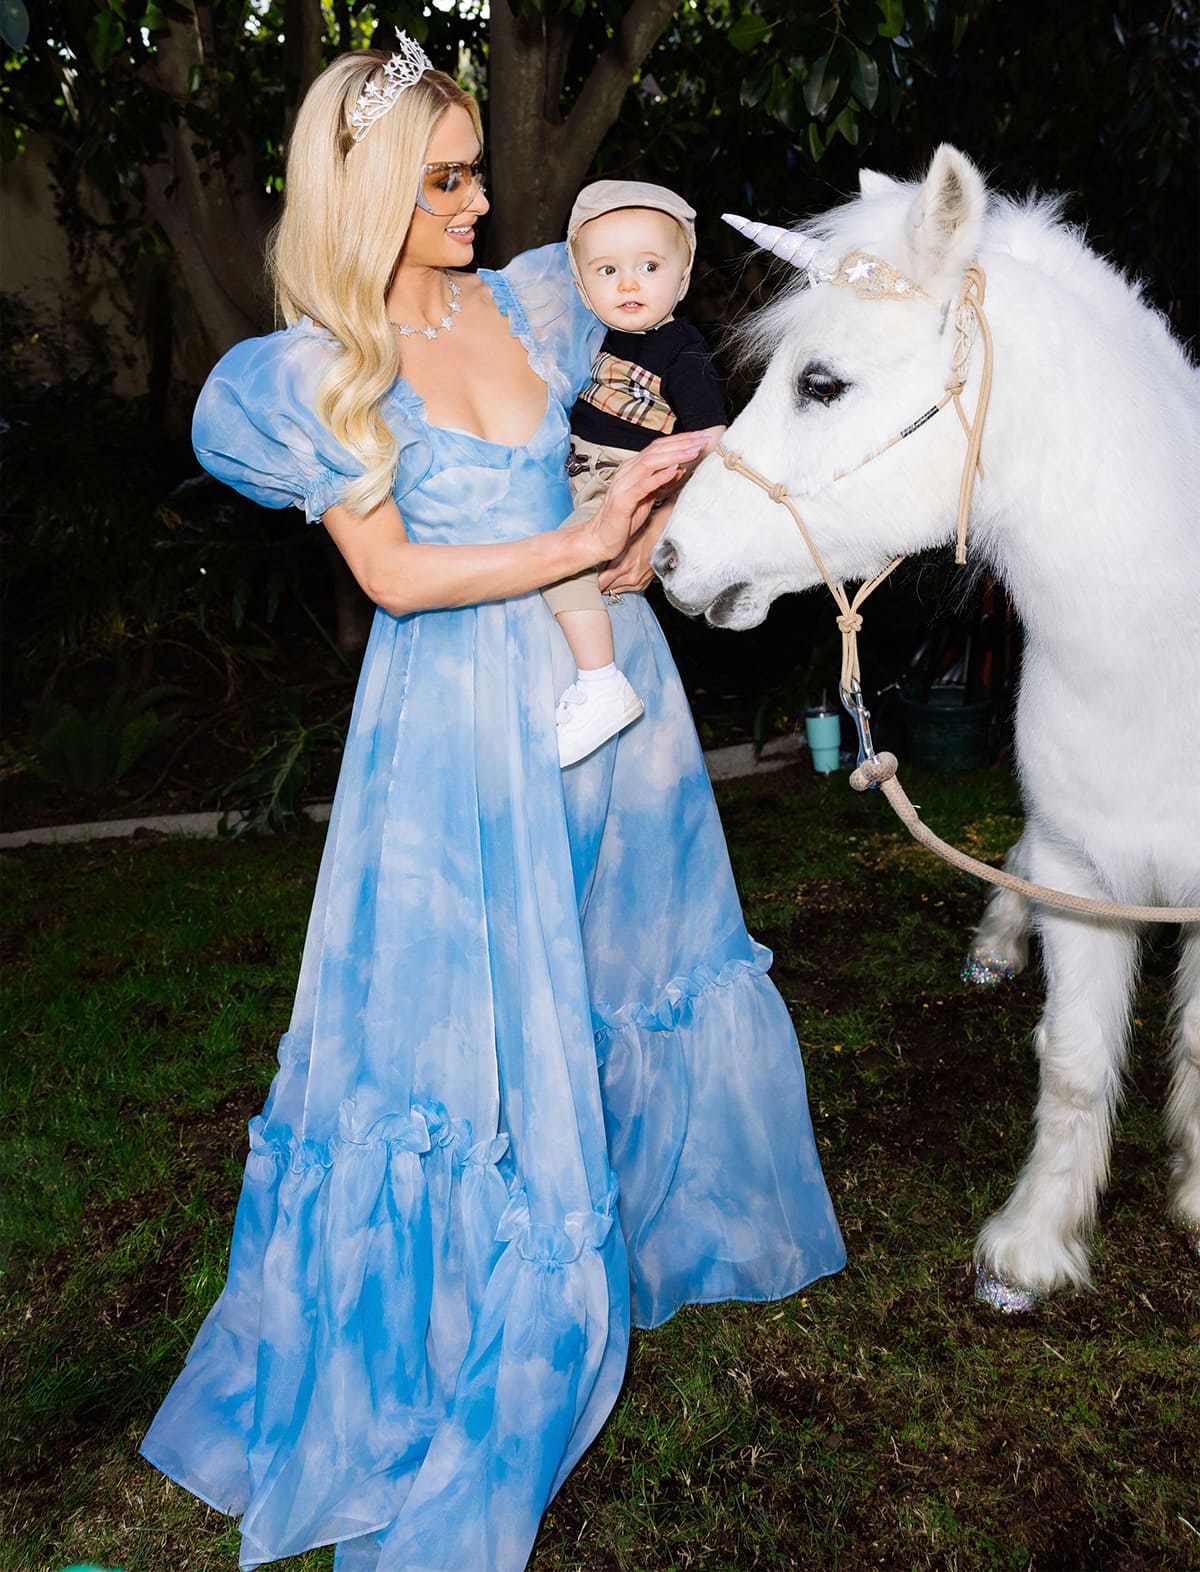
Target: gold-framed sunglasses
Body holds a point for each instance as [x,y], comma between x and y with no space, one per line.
[447,189]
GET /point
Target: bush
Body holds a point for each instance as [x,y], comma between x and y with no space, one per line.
[67,748]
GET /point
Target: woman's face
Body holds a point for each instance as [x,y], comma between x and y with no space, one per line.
[447,238]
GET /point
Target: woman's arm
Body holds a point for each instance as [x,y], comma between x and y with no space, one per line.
[403,576]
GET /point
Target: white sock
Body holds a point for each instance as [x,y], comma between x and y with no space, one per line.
[601,676]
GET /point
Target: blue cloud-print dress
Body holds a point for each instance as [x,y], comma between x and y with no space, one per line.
[537,1083]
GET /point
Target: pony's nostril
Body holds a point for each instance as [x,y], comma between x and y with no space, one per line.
[665,558]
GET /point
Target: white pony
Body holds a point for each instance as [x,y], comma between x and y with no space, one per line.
[1088,507]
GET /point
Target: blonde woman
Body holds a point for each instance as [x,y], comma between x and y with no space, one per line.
[536,1082]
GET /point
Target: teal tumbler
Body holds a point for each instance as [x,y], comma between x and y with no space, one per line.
[823,728]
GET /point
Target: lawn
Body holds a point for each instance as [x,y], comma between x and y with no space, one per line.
[880,1419]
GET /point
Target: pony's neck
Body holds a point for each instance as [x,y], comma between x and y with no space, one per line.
[1090,460]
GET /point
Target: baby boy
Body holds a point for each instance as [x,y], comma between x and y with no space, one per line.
[631,247]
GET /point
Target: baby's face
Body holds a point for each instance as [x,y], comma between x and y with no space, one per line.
[632,263]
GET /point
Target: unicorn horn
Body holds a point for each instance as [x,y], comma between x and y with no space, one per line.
[789,244]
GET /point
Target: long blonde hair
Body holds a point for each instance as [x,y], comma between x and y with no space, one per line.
[332,256]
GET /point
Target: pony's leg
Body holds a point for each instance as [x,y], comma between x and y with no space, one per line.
[1183,1101]
[1000,947]
[1038,1240]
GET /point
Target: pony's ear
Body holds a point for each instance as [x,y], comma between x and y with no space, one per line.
[871,183]
[946,220]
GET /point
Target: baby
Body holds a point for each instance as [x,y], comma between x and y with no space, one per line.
[631,247]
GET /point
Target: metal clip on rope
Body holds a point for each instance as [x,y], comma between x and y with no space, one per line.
[855,706]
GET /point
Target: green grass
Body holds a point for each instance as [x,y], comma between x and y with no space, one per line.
[878,1419]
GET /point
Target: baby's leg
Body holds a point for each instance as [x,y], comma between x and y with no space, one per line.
[589,634]
[600,702]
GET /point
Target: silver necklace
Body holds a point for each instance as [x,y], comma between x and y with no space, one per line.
[446,323]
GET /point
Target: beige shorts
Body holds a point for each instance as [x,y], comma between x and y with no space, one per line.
[590,468]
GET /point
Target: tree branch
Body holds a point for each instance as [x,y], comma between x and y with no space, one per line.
[560,29]
[599,101]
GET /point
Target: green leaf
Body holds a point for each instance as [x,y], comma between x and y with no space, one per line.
[960,29]
[748,32]
[14,24]
[820,85]
[862,20]
[784,104]
[816,141]
[12,140]
[893,18]
[105,37]
[195,77]
[757,84]
[847,124]
[864,80]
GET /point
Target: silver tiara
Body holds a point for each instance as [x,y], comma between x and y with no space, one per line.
[407,65]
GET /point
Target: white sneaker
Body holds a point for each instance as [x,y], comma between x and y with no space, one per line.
[589,714]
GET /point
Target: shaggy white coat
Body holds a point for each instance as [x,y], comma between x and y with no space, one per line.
[1089,513]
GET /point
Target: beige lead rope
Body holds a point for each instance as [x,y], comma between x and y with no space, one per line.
[881,769]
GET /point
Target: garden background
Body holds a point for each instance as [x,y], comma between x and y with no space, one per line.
[167,646]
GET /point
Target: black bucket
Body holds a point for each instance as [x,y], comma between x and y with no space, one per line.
[944,733]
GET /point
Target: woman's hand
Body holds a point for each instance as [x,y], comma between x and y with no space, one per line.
[633,490]
[631,570]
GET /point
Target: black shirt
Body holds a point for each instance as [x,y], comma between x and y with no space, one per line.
[677,354]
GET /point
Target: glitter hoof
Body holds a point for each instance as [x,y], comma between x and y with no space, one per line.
[1191,1232]
[987,971]
[1007,1297]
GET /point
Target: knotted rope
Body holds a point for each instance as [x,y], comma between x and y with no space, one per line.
[969,317]
[849,618]
[880,769]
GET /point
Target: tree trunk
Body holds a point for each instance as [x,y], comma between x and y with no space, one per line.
[207,203]
[206,206]
[303,35]
[539,158]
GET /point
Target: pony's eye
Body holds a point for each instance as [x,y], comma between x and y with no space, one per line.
[817,382]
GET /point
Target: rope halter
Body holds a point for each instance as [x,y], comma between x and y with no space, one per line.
[872,278]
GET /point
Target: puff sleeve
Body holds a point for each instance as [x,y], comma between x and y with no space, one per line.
[546,312]
[256,425]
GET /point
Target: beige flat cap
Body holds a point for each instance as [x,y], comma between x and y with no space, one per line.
[607,196]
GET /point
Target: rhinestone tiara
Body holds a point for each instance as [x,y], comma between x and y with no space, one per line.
[407,65]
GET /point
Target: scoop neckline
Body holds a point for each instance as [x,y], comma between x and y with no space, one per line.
[517,328]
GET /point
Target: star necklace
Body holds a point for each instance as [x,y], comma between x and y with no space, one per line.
[446,322]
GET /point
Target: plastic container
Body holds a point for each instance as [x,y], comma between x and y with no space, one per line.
[944,733]
[823,728]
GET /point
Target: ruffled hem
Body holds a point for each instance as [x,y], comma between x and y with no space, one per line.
[418,1130]
[676,1003]
[365,1319]
[707,1080]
